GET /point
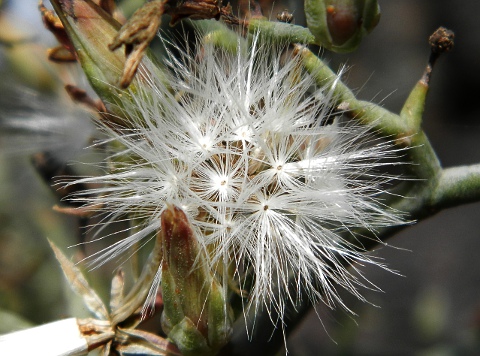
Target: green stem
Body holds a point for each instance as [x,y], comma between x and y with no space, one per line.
[367,113]
[457,186]
[281,32]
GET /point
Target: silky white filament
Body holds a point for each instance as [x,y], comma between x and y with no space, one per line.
[246,145]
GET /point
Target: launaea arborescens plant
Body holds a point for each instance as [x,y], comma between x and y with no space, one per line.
[251,149]
[271,181]
[267,175]
[260,176]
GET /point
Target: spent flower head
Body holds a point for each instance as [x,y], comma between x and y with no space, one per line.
[272,182]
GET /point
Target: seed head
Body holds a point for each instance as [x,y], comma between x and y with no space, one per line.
[273,184]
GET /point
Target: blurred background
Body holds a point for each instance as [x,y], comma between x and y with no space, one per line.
[433,309]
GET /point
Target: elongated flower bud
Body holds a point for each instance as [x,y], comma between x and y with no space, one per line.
[89,29]
[195,316]
[340,25]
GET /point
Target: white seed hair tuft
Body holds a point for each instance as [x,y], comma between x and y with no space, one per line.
[271,180]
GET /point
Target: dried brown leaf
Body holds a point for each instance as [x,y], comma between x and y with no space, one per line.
[55,26]
[116,291]
[83,212]
[60,54]
[136,35]
[139,292]
[193,9]
[79,285]
[81,96]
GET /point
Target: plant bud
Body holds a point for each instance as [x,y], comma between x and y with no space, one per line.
[340,25]
[90,29]
[196,316]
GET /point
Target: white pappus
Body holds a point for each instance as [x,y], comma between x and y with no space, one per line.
[271,180]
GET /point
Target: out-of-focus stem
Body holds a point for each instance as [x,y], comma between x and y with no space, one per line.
[457,186]
[281,32]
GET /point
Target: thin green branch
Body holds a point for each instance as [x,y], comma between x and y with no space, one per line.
[387,123]
[457,186]
[281,32]
[403,128]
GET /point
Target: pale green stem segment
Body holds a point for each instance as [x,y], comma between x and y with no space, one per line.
[457,185]
[337,25]
[216,33]
[281,32]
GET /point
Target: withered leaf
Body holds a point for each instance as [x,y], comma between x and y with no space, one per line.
[139,292]
[136,35]
[79,285]
[60,54]
[116,292]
